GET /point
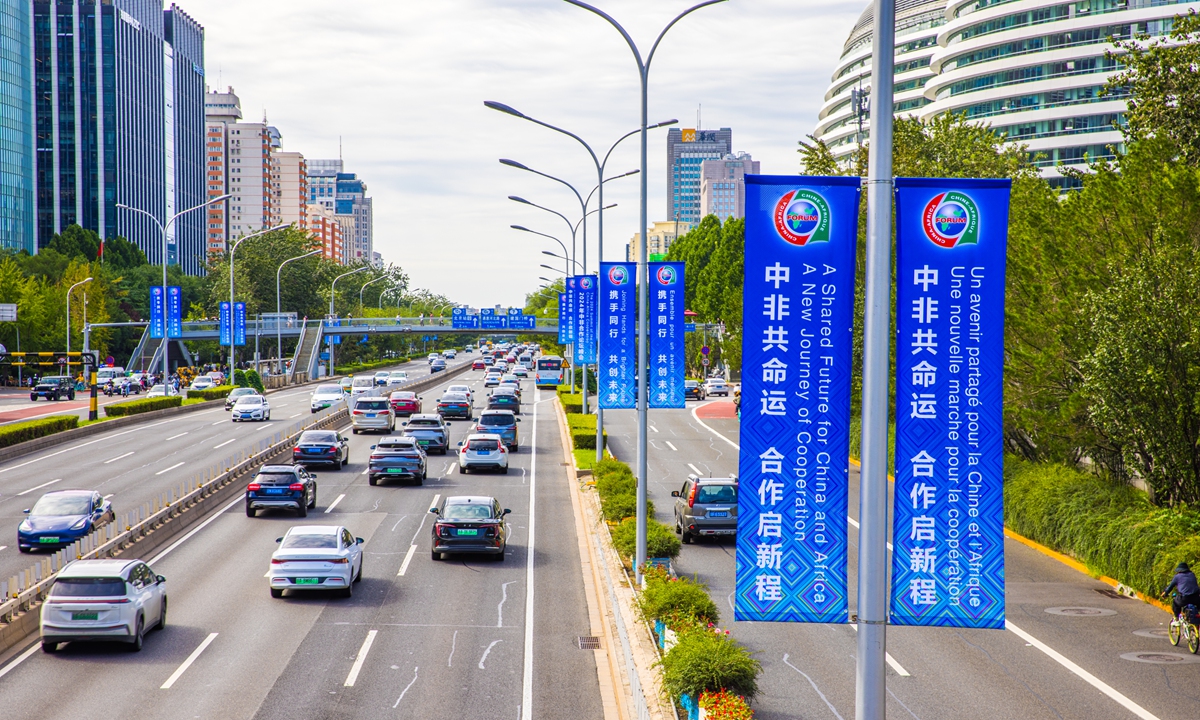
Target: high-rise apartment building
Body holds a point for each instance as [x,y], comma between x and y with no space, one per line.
[117,85]
[325,228]
[686,150]
[660,234]
[17,181]
[322,181]
[723,185]
[293,189]
[330,186]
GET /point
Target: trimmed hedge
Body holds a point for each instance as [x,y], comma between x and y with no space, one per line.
[31,429]
[572,403]
[1110,527]
[136,407]
[660,539]
[217,392]
[372,365]
[254,380]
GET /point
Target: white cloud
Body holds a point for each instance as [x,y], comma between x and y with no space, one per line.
[403,84]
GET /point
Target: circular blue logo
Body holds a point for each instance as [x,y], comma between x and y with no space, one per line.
[666,275]
[585,282]
[802,217]
[617,275]
[950,219]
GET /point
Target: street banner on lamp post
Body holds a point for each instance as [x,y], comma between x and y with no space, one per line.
[224,324]
[570,310]
[948,528]
[174,312]
[239,323]
[666,369]
[585,319]
[564,321]
[616,372]
[156,313]
[801,238]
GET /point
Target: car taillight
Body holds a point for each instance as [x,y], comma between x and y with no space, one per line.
[254,487]
[692,496]
[443,530]
[340,561]
[277,562]
[359,412]
[331,450]
[296,486]
[502,450]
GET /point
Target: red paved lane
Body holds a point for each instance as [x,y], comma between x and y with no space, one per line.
[718,409]
[41,408]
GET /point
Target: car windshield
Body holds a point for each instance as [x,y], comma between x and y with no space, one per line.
[313,436]
[241,392]
[404,396]
[459,389]
[473,511]
[329,390]
[717,494]
[88,587]
[690,383]
[364,381]
[454,398]
[299,541]
[498,419]
[62,505]
[250,400]
[398,374]
[270,478]
[371,405]
[398,446]
[483,445]
[424,424]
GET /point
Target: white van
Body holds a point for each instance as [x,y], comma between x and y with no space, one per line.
[362,385]
[106,374]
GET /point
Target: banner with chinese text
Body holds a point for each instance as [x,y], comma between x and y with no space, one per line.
[239,323]
[156,313]
[948,529]
[666,369]
[569,313]
[801,238]
[564,320]
[224,323]
[586,297]
[616,372]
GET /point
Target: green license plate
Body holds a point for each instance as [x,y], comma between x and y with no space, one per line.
[468,532]
[85,616]
[48,540]
[395,470]
[308,581]
[423,442]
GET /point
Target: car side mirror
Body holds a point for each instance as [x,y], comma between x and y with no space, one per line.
[460,444]
[374,446]
[279,540]
[674,493]
[518,419]
[434,511]
[314,477]
[359,541]
[506,511]
[160,578]
[26,511]
[404,424]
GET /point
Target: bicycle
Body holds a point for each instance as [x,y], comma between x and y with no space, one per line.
[1186,626]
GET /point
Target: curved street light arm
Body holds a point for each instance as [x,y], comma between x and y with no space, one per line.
[680,16]
[535,232]
[520,166]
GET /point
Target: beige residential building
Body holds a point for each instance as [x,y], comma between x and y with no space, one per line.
[661,234]
[293,189]
[326,228]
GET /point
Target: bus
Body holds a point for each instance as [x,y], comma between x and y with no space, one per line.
[549,371]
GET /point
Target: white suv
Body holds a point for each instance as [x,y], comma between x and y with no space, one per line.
[104,600]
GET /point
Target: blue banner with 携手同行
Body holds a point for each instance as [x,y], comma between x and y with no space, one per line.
[564,320]
[225,323]
[948,526]
[665,364]
[585,319]
[616,372]
[239,323]
[792,545]
[156,313]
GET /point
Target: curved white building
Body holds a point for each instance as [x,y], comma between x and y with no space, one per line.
[1032,69]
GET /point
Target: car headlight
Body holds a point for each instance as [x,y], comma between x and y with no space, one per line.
[25,526]
[80,524]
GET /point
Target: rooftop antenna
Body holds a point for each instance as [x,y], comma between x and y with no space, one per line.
[339,147]
[698,112]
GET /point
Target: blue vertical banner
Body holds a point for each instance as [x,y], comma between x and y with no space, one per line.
[564,320]
[174,312]
[239,323]
[333,339]
[797,346]
[586,297]
[616,372]
[225,324]
[666,367]
[570,314]
[948,526]
[156,312]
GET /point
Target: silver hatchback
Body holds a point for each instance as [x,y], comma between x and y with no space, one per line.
[706,506]
[372,413]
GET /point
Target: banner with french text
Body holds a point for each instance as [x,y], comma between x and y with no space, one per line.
[225,323]
[666,369]
[616,372]
[948,524]
[801,238]
[586,297]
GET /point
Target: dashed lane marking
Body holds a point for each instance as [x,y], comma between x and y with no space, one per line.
[407,559]
[217,447]
[362,657]
[121,456]
[333,504]
[166,470]
[39,487]
[188,663]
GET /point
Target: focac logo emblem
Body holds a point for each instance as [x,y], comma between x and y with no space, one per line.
[665,275]
[801,217]
[951,219]
[585,282]
[618,275]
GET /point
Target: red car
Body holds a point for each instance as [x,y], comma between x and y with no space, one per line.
[405,402]
[478,364]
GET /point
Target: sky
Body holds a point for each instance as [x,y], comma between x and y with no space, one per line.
[402,84]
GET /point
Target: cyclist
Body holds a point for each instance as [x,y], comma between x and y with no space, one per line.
[1187,591]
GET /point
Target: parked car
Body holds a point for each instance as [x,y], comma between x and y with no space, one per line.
[53,387]
[61,517]
[405,402]
[103,600]
[325,396]
[429,431]
[706,506]
[472,524]
[399,457]
[693,390]
[502,423]
[716,386]
[321,447]
[481,451]
[251,407]
[288,487]
[236,394]
[316,557]
[454,405]
[372,413]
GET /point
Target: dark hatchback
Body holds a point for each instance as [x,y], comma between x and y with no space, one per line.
[396,457]
[57,387]
[455,405]
[692,390]
[469,524]
[430,432]
[504,398]
[321,447]
[288,487]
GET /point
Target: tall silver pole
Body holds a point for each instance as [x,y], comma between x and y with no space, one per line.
[643,349]
[599,259]
[278,304]
[870,697]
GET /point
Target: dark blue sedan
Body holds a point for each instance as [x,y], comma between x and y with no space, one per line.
[60,518]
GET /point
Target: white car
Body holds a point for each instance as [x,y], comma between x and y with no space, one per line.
[104,600]
[716,386]
[464,390]
[362,385]
[203,382]
[482,451]
[327,395]
[397,377]
[432,357]
[251,407]
[491,379]
[381,377]
[160,390]
[316,557]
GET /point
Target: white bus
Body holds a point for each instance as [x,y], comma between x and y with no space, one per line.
[549,371]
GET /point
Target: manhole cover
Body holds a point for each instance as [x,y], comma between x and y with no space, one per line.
[1156,633]
[1161,658]
[589,642]
[1080,611]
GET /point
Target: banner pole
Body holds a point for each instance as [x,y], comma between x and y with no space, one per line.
[870,690]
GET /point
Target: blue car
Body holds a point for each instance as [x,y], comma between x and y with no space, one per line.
[502,423]
[60,518]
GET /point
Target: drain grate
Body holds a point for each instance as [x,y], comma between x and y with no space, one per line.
[1109,592]
[589,642]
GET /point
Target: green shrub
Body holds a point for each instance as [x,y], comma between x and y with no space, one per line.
[660,540]
[219,392]
[135,407]
[30,429]
[572,403]
[675,600]
[239,378]
[581,421]
[706,660]
[254,380]
[616,508]
[610,483]
[584,439]
[1108,526]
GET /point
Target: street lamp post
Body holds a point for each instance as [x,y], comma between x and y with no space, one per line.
[81,282]
[364,287]
[332,296]
[278,306]
[233,249]
[643,268]
[163,227]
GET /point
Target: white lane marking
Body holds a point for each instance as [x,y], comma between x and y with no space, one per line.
[814,687]
[105,497]
[668,442]
[178,436]
[218,447]
[20,658]
[423,518]
[527,670]
[188,663]
[488,652]
[294,416]
[333,504]
[121,456]
[888,657]
[407,559]
[453,643]
[652,428]
[3,547]
[714,432]
[433,504]
[362,657]
[218,423]
[198,528]
[500,607]
[160,472]
[365,471]
[406,687]
[1089,678]
[854,522]
[39,487]
[89,442]
[695,469]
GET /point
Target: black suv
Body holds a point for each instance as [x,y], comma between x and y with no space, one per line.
[290,487]
[56,387]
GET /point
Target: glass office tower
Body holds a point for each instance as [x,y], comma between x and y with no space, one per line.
[16,127]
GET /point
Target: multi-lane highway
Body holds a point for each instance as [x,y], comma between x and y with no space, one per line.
[462,638]
[1018,674]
